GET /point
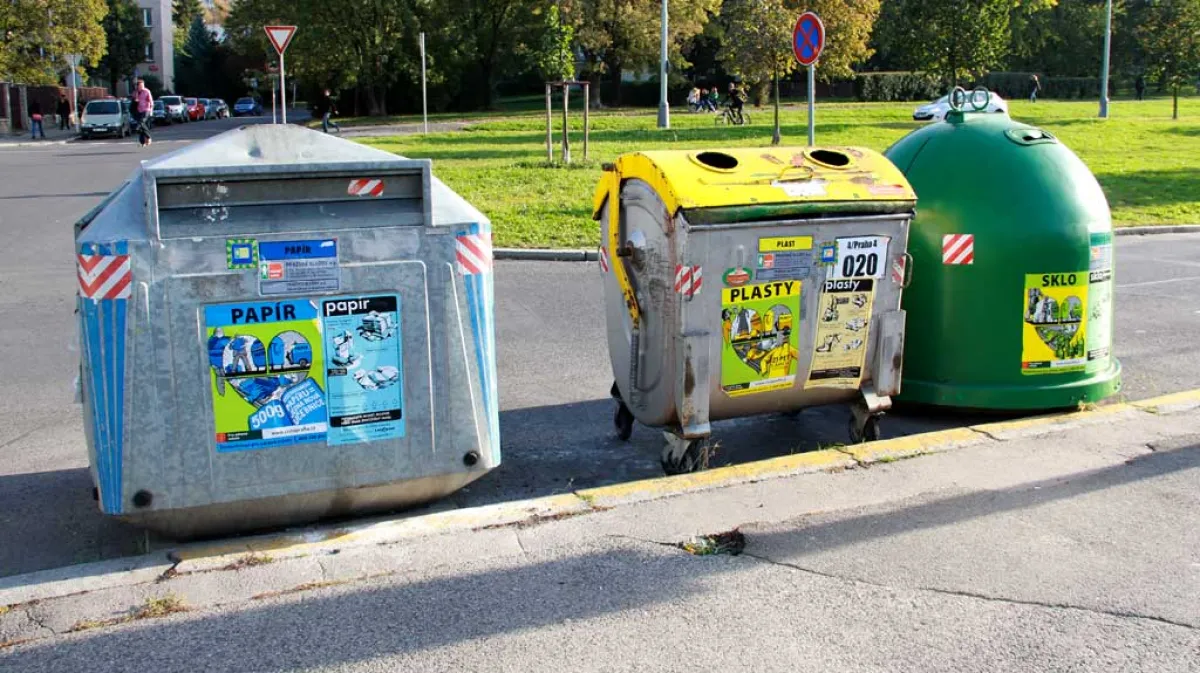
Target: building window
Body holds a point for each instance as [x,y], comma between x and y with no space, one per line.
[149,52]
[147,18]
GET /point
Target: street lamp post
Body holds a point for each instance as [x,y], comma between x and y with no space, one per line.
[1104,65]
[664,110]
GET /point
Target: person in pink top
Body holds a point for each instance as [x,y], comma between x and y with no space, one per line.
[142,110]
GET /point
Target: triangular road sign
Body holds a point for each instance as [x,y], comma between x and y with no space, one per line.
[280,36]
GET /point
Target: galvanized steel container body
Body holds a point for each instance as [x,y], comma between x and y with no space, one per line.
[693,241]
[279,326]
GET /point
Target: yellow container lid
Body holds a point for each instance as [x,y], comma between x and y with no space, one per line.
[749,176]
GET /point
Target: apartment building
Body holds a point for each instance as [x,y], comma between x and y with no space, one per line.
[160,51]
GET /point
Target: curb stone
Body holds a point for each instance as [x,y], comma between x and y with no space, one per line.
[207,557]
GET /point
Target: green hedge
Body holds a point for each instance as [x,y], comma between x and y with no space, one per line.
[1016,85]
[882,87]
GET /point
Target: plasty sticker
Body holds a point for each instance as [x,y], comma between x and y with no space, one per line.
[843,330]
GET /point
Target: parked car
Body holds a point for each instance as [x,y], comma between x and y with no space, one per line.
[104,117]
[209,109]
[220,108]
[247,106]
[195,109]
[936,111]
[176,108]
[159,115]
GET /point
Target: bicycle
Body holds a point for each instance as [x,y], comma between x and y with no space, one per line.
[731,115]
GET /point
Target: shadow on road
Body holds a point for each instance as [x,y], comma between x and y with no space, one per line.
[545,451]
[618,576]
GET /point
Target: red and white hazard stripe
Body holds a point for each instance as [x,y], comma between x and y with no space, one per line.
[958,249]
[105,276]
[473,252]
[603,259]
[365,187]
[898,271]
[688,280]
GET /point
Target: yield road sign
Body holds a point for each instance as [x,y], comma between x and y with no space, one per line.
[808,38]
[280,36]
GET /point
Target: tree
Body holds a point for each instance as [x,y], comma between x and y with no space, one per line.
[183,12]
[553,57]
[620,35]
[958,39]
[368,44]
[36,34]
[194,63]
[127,39]
[1058,37]
[1170,37]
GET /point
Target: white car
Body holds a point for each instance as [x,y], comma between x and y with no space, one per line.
[104,117]
[936,111]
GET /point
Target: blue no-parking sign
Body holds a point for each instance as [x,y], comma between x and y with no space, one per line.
[808,38]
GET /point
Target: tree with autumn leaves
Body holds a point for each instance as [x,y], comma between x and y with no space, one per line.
[35,36]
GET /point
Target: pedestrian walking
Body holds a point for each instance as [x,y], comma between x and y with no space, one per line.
[328,109]
[1035,85]
[64,113]
[1139,85]
[142,109]
[35,121]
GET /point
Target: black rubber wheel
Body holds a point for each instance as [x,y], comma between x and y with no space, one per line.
[623,421]
[869,432]
[694,459]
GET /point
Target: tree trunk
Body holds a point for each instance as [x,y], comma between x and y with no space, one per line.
[776,138]
[594,89]
[1175,103]
[614,78]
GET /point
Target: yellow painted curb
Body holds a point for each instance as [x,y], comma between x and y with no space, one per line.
[1049,423]
[1172,403]
[202,556]
[913,445]
[663,487]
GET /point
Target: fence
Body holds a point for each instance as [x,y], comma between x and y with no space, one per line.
[17,99]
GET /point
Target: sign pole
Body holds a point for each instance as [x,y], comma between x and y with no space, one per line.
[808,39]
[281,37]
[283,92]
[812,106]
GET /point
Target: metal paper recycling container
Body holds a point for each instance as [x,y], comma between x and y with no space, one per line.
[278,326]
[1012,305]
[749,281]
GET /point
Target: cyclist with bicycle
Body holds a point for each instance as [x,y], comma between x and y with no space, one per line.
[735,103]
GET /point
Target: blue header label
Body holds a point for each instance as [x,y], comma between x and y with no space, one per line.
[288,250]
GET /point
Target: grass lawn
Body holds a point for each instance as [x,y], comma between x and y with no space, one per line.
[1148,164]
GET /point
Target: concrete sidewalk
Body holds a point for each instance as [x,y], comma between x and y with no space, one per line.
[53,137]
[1067,543]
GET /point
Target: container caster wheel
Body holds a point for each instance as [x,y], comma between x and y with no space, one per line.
[868,431]
[623,421]
[693,458]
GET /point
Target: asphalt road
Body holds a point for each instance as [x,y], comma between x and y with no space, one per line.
[556,414]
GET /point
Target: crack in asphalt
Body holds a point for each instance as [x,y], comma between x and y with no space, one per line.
[29,614]
[1121,614]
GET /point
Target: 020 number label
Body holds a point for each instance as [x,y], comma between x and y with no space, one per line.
[860,257]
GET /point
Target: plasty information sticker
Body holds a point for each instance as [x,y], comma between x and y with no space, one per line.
[760,341]
[784,258]
[843,330]
[266,369]
[298,267]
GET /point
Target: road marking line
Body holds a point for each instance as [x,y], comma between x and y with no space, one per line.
[1159,282]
